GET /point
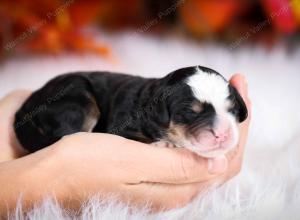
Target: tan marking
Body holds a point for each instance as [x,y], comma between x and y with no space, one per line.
[140,137]
[176,133]
[162,144]
[93,115]
[41,130]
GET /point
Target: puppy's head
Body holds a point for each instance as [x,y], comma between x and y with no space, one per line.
[204,111]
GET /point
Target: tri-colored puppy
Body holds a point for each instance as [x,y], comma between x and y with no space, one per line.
[193,107]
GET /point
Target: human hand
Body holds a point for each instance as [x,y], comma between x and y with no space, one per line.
[144,173]
[86,164]
[236,156]
[9,145]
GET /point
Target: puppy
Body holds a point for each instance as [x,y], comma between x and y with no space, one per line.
[193,107]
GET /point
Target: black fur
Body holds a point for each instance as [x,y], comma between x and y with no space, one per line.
[133,107]
[238,108]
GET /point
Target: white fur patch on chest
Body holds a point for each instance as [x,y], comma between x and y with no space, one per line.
[209,87]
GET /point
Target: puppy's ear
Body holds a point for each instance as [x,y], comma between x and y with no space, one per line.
[158,106]
[163,110]
[239,106]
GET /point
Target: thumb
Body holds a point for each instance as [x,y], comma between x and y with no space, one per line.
[240,83]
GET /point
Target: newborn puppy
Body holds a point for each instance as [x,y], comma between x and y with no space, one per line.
[193,107]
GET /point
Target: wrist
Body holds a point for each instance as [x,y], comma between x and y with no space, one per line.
[30,179]
[46,173]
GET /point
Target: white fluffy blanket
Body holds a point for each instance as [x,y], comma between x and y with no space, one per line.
[268,186]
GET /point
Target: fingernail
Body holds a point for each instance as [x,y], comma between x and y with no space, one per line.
[217,165]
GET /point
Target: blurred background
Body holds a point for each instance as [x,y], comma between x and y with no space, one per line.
[56,26]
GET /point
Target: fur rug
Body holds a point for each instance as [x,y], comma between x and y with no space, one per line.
[268,186]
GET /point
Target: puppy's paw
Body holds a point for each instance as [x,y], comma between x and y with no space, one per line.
[163,144]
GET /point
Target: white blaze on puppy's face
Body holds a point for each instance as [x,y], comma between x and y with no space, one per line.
[210,88]
[222,136]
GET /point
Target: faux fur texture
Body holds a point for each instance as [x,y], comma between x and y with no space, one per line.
[268,186]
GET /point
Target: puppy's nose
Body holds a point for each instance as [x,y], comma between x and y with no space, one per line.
[221,131]
[222,136]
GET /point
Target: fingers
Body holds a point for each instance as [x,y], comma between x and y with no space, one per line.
[10,104]
[144,163]
[15,99]
[9,146]
[236,156]
[240,83]
[165,177]
[163,196]
[175,166]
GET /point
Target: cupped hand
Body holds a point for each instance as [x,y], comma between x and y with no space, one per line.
[165,177]
[9,146]
[86,164]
